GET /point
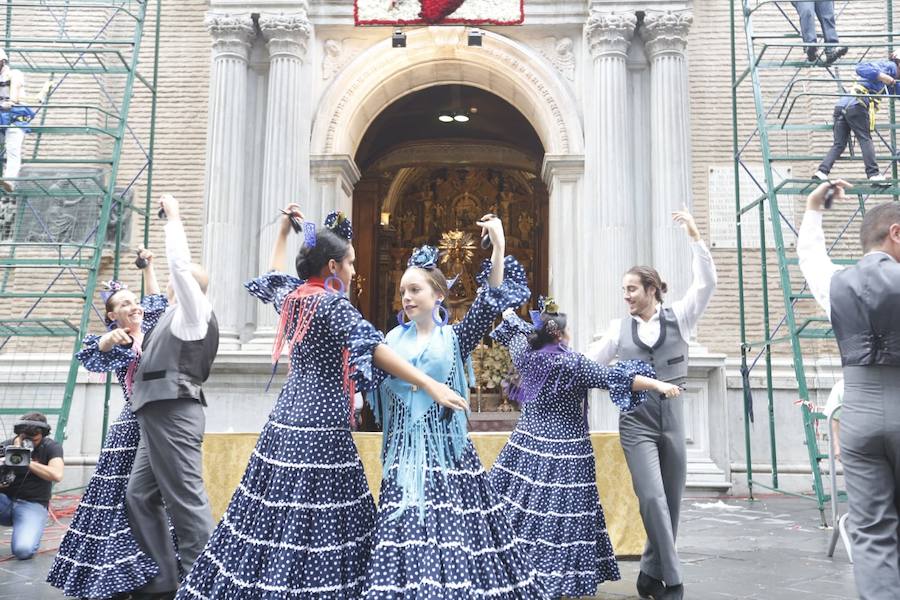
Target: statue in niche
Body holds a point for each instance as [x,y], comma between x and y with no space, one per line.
[407,226]
[526,226]
[467,210]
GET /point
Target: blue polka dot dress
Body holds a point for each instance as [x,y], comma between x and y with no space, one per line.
[99,556]
[546,474]
[300,522]
[456,542]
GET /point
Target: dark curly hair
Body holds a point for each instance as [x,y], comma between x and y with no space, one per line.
[543,336]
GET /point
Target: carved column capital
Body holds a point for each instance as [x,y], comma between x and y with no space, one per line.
[666,33]
[287,35]
[609,33]
[232,34]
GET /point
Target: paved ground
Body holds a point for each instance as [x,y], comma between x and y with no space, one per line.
[771,549]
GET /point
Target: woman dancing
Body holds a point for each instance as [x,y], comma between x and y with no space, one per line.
[545,472]
[99,557]
[441,530]
[300,522]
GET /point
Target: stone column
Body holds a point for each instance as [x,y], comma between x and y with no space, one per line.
[286,154]
[333,178]
[610,210]
[224,191]
[665,37]
[569,260]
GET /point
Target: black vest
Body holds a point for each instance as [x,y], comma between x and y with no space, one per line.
[172,368]
[865,312]
[668,356]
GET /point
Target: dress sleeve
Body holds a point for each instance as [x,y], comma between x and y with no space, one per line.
[347,325]
[513,333]
[618,379]
[154,307]
[273,288]
[97,361]
[490,302]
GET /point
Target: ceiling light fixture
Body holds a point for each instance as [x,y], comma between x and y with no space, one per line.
[445,117]
[461,118]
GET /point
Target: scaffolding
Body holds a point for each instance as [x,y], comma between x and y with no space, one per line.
[86,158]
[789,95]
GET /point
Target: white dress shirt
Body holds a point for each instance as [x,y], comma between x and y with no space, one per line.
[688,310]
[192,310]
[815,264]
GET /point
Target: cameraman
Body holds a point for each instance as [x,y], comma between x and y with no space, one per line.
[23,503]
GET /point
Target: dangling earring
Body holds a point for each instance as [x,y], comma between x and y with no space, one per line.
[440,315]
[403,324]
[339,289]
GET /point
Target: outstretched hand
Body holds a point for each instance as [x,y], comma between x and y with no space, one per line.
[668,390]
[288,212]
[686,220]
[492,226]
[816,199]
[445,396]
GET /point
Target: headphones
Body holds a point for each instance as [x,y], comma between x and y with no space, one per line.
[21,426]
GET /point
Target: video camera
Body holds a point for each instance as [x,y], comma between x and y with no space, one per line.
[17,458]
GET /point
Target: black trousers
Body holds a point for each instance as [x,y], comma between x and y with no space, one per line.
[855,118]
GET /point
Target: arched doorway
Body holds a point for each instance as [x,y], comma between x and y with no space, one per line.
[427,177]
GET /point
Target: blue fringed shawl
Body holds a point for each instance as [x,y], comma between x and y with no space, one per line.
[412,431]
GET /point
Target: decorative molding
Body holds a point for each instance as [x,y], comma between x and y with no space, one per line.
[337,54]
[287,35]
[504,66]
[559,52]
[232,34]
[666,33]
[609,33]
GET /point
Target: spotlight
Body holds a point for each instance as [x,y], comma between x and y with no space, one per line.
[445,117]
[462,118]
[398,40]
[475,36]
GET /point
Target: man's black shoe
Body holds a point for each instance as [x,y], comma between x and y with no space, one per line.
[676,592]
[832,55]
[649,587]
[811,53]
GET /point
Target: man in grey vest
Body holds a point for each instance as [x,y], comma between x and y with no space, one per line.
[653,435]
[168,402]
[863,302]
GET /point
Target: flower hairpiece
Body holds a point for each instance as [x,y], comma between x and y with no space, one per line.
[111,287]
[546,304]
[340,224]
[425,257]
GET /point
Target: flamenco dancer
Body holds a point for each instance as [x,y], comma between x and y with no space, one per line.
[99,556]
[653,435]
[300,522]
[546,473]
[442,531]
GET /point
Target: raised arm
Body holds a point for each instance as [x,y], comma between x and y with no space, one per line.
[690,308]
[815,264]
[277,261]
[195,306]
[151,283]
[513,333]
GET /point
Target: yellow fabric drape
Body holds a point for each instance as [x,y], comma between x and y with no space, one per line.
[225,457]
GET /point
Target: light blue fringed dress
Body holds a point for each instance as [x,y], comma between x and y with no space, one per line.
[300,522]
[99,556]
[546,472]
[441,530]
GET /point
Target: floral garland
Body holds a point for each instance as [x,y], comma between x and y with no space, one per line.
[418,12]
